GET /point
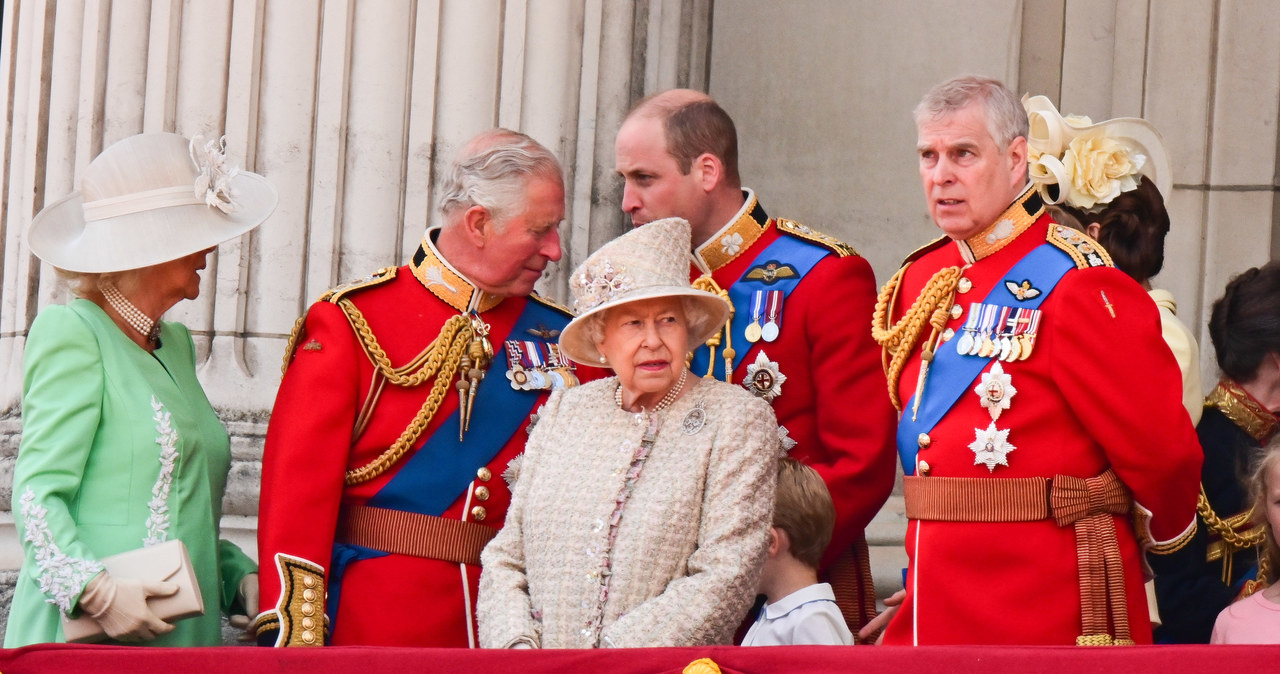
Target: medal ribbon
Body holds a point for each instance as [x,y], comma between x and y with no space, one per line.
[951,374]
[801,254]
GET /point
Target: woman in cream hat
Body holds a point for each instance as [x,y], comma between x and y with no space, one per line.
[120,447]
[641,508]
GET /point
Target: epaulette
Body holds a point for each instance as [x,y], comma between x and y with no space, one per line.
[376,278]
[809,234]
[1085,251]
[548,302]
[928,247]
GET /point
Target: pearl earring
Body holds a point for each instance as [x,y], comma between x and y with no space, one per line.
[602,360]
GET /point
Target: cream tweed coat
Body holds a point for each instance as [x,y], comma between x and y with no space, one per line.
[685,562]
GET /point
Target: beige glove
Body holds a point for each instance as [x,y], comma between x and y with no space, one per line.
[249,598]
[120,606]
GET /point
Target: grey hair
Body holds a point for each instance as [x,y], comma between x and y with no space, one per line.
[696,321]
[85,284]
[1006,118]
[493,170]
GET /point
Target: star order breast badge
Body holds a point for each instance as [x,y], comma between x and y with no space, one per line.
[995,390]
[991,447]
[763,378]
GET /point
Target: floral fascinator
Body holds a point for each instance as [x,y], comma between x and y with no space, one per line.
[647,262]
[1091,164]
[149,199]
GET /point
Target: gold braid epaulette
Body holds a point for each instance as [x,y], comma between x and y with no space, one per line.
[899,340]
[440,359]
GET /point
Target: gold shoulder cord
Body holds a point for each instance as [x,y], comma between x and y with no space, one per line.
[292,343]
[1232,540]
[899,340]
[440,360]
[705,282]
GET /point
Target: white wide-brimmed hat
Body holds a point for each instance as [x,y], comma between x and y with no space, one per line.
[149,199]
[1091,164]
[649,261]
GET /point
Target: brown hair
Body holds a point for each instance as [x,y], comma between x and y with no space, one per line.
[1132,229]
[1245,322]
[694,125]
[1269,550]
[804,510]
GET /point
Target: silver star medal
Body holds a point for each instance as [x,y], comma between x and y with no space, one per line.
[785,443]
[995,390]
[991,447]
[763,378]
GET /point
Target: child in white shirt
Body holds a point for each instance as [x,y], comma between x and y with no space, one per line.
[798,609]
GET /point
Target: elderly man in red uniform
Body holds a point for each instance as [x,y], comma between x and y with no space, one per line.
[1036,471]
[403,408]
[797,336]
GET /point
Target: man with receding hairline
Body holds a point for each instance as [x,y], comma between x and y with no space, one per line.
[392,444]
[802,302]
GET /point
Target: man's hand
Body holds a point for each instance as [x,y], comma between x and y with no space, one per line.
[877,624]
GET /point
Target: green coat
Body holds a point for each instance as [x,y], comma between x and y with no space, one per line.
[102,420]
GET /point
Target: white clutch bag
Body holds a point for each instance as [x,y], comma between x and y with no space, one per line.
[168,562]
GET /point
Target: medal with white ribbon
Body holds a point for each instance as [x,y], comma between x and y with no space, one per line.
[752,333]
[772,326]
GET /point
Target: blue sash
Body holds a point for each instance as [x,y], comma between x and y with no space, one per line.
[431,479]
[951,374]
[800,254]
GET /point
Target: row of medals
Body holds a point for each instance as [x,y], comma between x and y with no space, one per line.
[770,329]
[1006,346]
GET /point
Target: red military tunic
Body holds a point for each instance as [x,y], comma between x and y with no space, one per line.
[1100,391]
[833,402]
[327,422]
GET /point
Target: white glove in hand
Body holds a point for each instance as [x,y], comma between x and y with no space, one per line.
[120,606]
[249,598]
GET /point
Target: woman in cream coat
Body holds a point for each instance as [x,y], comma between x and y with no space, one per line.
[641,508]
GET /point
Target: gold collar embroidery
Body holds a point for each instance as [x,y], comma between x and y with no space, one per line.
[1015,220]
[1243,411]
[438,276]
[736,237]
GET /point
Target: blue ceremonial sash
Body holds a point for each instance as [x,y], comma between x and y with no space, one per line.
[800,254]
[439,471]
[950,374]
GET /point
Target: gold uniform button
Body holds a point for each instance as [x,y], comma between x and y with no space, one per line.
[308,623]
[308,637]
[484,474]
[965,285]
[307,608]
[956,311]
[482,493]
[948,334]
[309,581]
[924,468]
[309,595]
[478,513]
[923,440]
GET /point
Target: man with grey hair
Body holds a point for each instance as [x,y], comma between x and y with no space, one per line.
[1013,347]
[404,403]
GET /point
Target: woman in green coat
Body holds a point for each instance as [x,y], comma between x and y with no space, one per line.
[120,447]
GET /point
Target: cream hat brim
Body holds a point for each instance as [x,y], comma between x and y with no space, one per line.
[575,343]
[60,236]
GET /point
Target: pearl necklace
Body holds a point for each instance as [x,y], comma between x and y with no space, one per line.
[131,314]
[662,404]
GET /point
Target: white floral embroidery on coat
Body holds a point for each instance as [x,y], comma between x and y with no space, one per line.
[61,577]
[158,521]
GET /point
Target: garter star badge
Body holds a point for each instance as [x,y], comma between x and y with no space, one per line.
[991,447]
[763,378]
[995,390]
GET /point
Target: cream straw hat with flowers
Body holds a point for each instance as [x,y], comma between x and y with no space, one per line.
[647,262]
[149,199]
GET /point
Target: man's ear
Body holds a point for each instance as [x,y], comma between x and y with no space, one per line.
[477,225]
[708,170]
[1017,154]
